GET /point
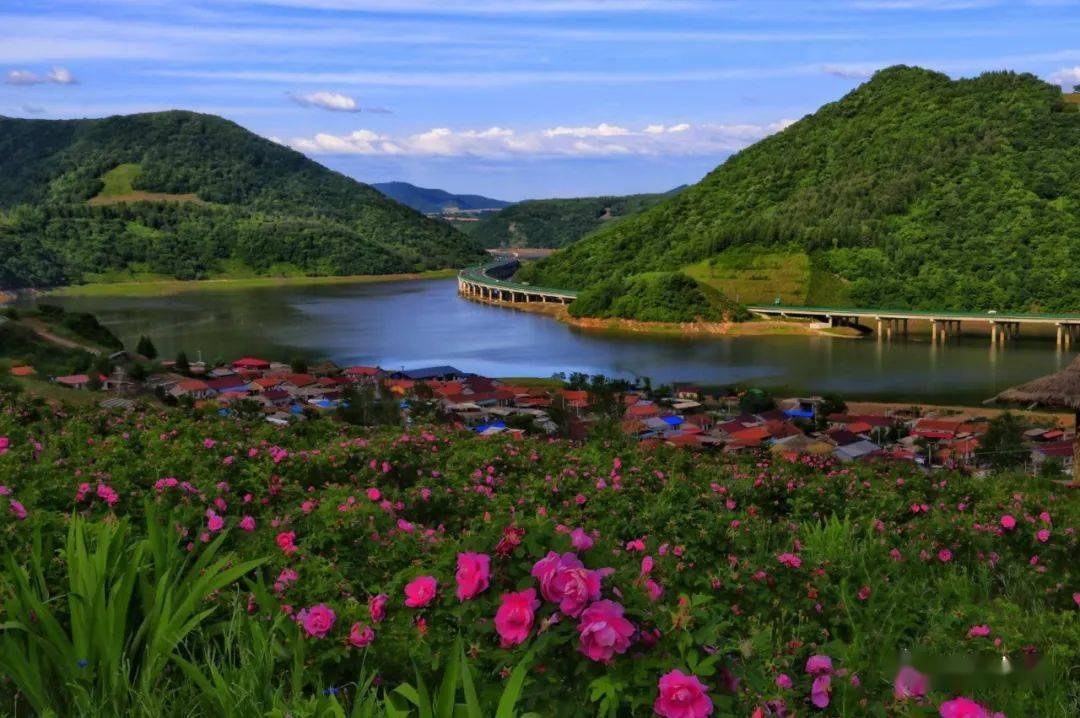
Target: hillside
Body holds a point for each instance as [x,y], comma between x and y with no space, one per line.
[913,190]
[555,223]
[436,201]
[189,196]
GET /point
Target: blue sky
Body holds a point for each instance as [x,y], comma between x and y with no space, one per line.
[509,98]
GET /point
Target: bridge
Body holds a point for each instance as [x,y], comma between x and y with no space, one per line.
[491,282]
[1002,325]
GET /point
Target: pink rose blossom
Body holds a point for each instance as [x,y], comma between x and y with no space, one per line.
[1008,522]
[473,573]
[790,560]
[5,443]
[981,631]
[514,619]
[1043,535]
[962,708]
[819,692]
[285,541]
[603,631]
[361,636]
[909,683]
[682,696]
[783,681]
[247,524]
[565,580]
[377,607]
[317,620]
[17,510]
[420,591]
[944,555]
[215,523]
[580,540]
[819,665]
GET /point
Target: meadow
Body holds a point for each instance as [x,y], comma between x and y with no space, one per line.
[180,564]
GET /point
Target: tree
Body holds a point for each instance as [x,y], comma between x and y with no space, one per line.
[298,365]
[1003,444]
[182,364]
[146,348]
[755,401]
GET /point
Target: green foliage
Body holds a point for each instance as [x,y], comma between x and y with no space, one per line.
[656,297]
[21,345]
[915,190]
[1003,444]
[102,648]
[261,204]
[146,348]
[555,223]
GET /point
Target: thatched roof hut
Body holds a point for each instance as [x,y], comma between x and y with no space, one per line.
[1061,390]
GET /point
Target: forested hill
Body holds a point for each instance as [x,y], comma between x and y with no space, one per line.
[434,201]
[189,196]
[555,223]
[913,190]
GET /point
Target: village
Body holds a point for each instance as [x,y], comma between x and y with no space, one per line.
[683,415]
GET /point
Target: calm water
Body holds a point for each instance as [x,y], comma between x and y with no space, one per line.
[413,324]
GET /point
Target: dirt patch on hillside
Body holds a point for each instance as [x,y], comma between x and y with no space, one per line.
[133,197]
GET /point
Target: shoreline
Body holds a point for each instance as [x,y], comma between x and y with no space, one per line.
[559,313]
[168,287]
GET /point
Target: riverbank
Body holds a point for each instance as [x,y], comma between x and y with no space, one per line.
[757,327]
[167,287]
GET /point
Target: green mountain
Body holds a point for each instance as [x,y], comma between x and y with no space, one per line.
[913,190]
[556,223]
[189,196]
[435,201]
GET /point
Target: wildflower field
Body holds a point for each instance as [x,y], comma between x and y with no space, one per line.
[176,564]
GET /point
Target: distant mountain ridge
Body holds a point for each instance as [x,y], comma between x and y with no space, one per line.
[435,201]
[914,190]
[556,223]
[189,195]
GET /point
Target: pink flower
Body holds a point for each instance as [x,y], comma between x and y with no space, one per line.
[910,683]
[247,524]
[473,572]
[654,590]
[565,580]
[5,444]
[215,523]
[783,681]
[377,607]
[962,708]
[790,560]
[514,619]
[819,692]
[17,510]
[819,665]
[374,494]
[603,631]
[317,620]
[1043,535]
[682,696]
[580,540]
[979,631]
[1008,522]
[944,555]
[361,636]
[285,542]
[420,591]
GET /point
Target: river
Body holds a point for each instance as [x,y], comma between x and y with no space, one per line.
[418,323]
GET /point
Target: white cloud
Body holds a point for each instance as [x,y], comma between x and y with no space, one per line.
[57,76]
[601,140]
[854,72]
[1067,77]
[333,101]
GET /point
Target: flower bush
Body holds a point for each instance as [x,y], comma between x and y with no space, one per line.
[630,582]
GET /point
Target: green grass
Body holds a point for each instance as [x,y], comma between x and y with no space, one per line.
[118,180]
[756,276]
[151,285]
[119,188]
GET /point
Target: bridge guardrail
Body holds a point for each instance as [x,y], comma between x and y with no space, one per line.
[479,274]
